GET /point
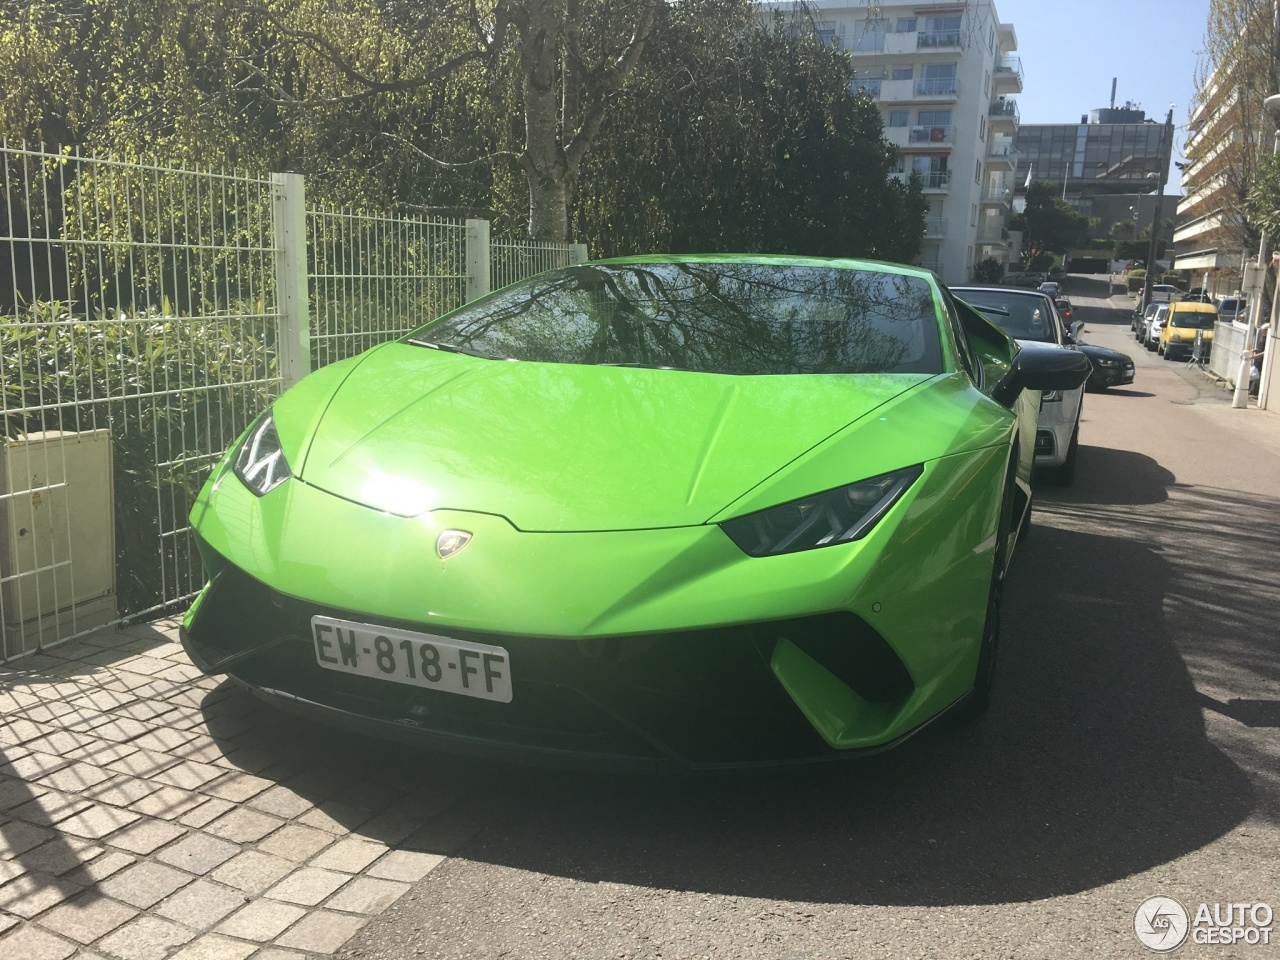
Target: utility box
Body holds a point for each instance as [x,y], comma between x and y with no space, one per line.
[57,538]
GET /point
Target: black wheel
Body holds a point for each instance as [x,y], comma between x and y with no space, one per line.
[984,677]
[1160,349]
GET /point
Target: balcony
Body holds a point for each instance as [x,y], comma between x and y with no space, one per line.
[869,42]
[937,88]
[938,40]
[1002,154]
[868,84]
[935,228]
[1002,117]
[992,233]
[1008,75]
[935,180]
[1000,194]
[940,135]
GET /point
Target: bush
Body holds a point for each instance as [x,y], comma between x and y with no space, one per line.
[1040,262]
[989,270]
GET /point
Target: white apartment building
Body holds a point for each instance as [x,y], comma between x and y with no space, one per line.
[943,74]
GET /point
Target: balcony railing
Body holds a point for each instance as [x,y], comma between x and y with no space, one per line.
[997,194]
[871,86]
[992,234]
[1004,108]
[931,134]
[1007,66]
[999,151]
[937,87]
[935,227]
[933,180]
[929,40]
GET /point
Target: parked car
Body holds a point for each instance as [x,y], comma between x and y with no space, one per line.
[1064,309]
[1232,309]
[712,511]
[1184,322]
[1164,292]
[1030,279]
[1139,317]
[1031,317]
[1050,289]
[1149,335]
[1111,368]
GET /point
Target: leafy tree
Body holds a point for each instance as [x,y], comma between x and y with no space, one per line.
[988,270]
[735,137]
[1049,223]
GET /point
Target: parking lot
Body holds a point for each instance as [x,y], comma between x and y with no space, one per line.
[148,812]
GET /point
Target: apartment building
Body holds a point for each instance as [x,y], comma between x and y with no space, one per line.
[943,75]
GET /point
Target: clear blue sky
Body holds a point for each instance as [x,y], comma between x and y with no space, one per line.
[1071,49]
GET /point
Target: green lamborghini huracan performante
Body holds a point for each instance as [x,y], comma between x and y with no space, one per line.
[698,511]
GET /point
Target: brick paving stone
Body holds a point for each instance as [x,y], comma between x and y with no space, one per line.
[200,905]
[17,838]
[20,730]
[253,758]
[276,953]
[307,886]
[146,836]
[336,818]
[15,792]
[32,766]
[208,811]
[367,895]
[60,743]
[145,665]
[121,790]
[164,739]
[237,787]
[102,753]
[189,774]
[48,808]
[261,920]
[110,727]
[7,923]
[146,938]
[229,726]
[102,700]
[34,893]
[142,763]
[350,855]
[252,871]
[183,717]
[441,836]
[100,868]
[181,673]
[243,825]
[389,828]
[60,855]
[146,710]
[97,821]
[32,943]
[321,932]
[201,747]
[295,842]
[198,853]
[87,917]
[144,884]
[46,712]
[406,865]
[168,803]
[73,777]
[213,947]
[10,870]
[282,802]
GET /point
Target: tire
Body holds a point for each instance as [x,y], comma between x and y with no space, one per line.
[1159,349]
[1151,344]
[984,678]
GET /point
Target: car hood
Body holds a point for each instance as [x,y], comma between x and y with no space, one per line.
[566,447]
[1091,350]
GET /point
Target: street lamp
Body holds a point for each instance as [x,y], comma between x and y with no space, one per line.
[1240,396]
[1166,144]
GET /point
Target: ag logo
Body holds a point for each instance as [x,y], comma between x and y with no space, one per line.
[1161,924]
[450,542]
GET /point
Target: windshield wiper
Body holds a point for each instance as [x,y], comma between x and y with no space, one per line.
[453,348]
[986,309]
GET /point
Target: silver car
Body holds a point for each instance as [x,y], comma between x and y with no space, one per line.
[1149,335]
[1031,316]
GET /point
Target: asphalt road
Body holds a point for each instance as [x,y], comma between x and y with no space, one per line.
[1132,752]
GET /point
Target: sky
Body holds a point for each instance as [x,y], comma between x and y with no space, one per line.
[1071,49]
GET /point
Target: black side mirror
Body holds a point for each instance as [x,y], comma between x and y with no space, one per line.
[1042,368]
[1077,328]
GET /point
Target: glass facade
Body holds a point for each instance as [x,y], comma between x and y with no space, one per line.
[1106,157]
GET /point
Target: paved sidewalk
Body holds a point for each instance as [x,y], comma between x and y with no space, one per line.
[149,812]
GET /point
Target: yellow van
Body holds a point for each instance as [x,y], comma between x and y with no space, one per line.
[1181,324]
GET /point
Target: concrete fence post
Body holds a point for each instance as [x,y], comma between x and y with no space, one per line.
[289,221]
[577,253]
[478,259]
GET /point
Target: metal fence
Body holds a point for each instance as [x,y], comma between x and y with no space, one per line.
[146,315]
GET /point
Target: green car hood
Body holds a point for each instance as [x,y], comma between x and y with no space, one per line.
[566,447]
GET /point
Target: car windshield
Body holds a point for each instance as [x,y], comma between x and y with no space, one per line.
[733,318]
[1021,316]
[1196,321]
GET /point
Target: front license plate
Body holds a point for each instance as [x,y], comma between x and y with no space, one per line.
[417,659]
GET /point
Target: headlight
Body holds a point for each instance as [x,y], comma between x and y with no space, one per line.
[260,464]
[1107,363]
[836,516]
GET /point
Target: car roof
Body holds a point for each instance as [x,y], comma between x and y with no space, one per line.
[877,266]
[1193,306]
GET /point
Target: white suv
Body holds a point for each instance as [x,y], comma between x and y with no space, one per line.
[1031,317]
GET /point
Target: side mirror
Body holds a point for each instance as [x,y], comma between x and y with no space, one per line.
[1042,368]
[1077,328]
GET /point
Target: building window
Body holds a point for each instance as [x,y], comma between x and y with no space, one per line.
[973,215]
[986,84]
[933,118]
[906,25]
[977,171]
[898,118]
[940,32]
[871,85]
[904,73]
[937,79]
[828,37]
[982,129]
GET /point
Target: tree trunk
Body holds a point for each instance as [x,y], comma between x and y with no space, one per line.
[544,161]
